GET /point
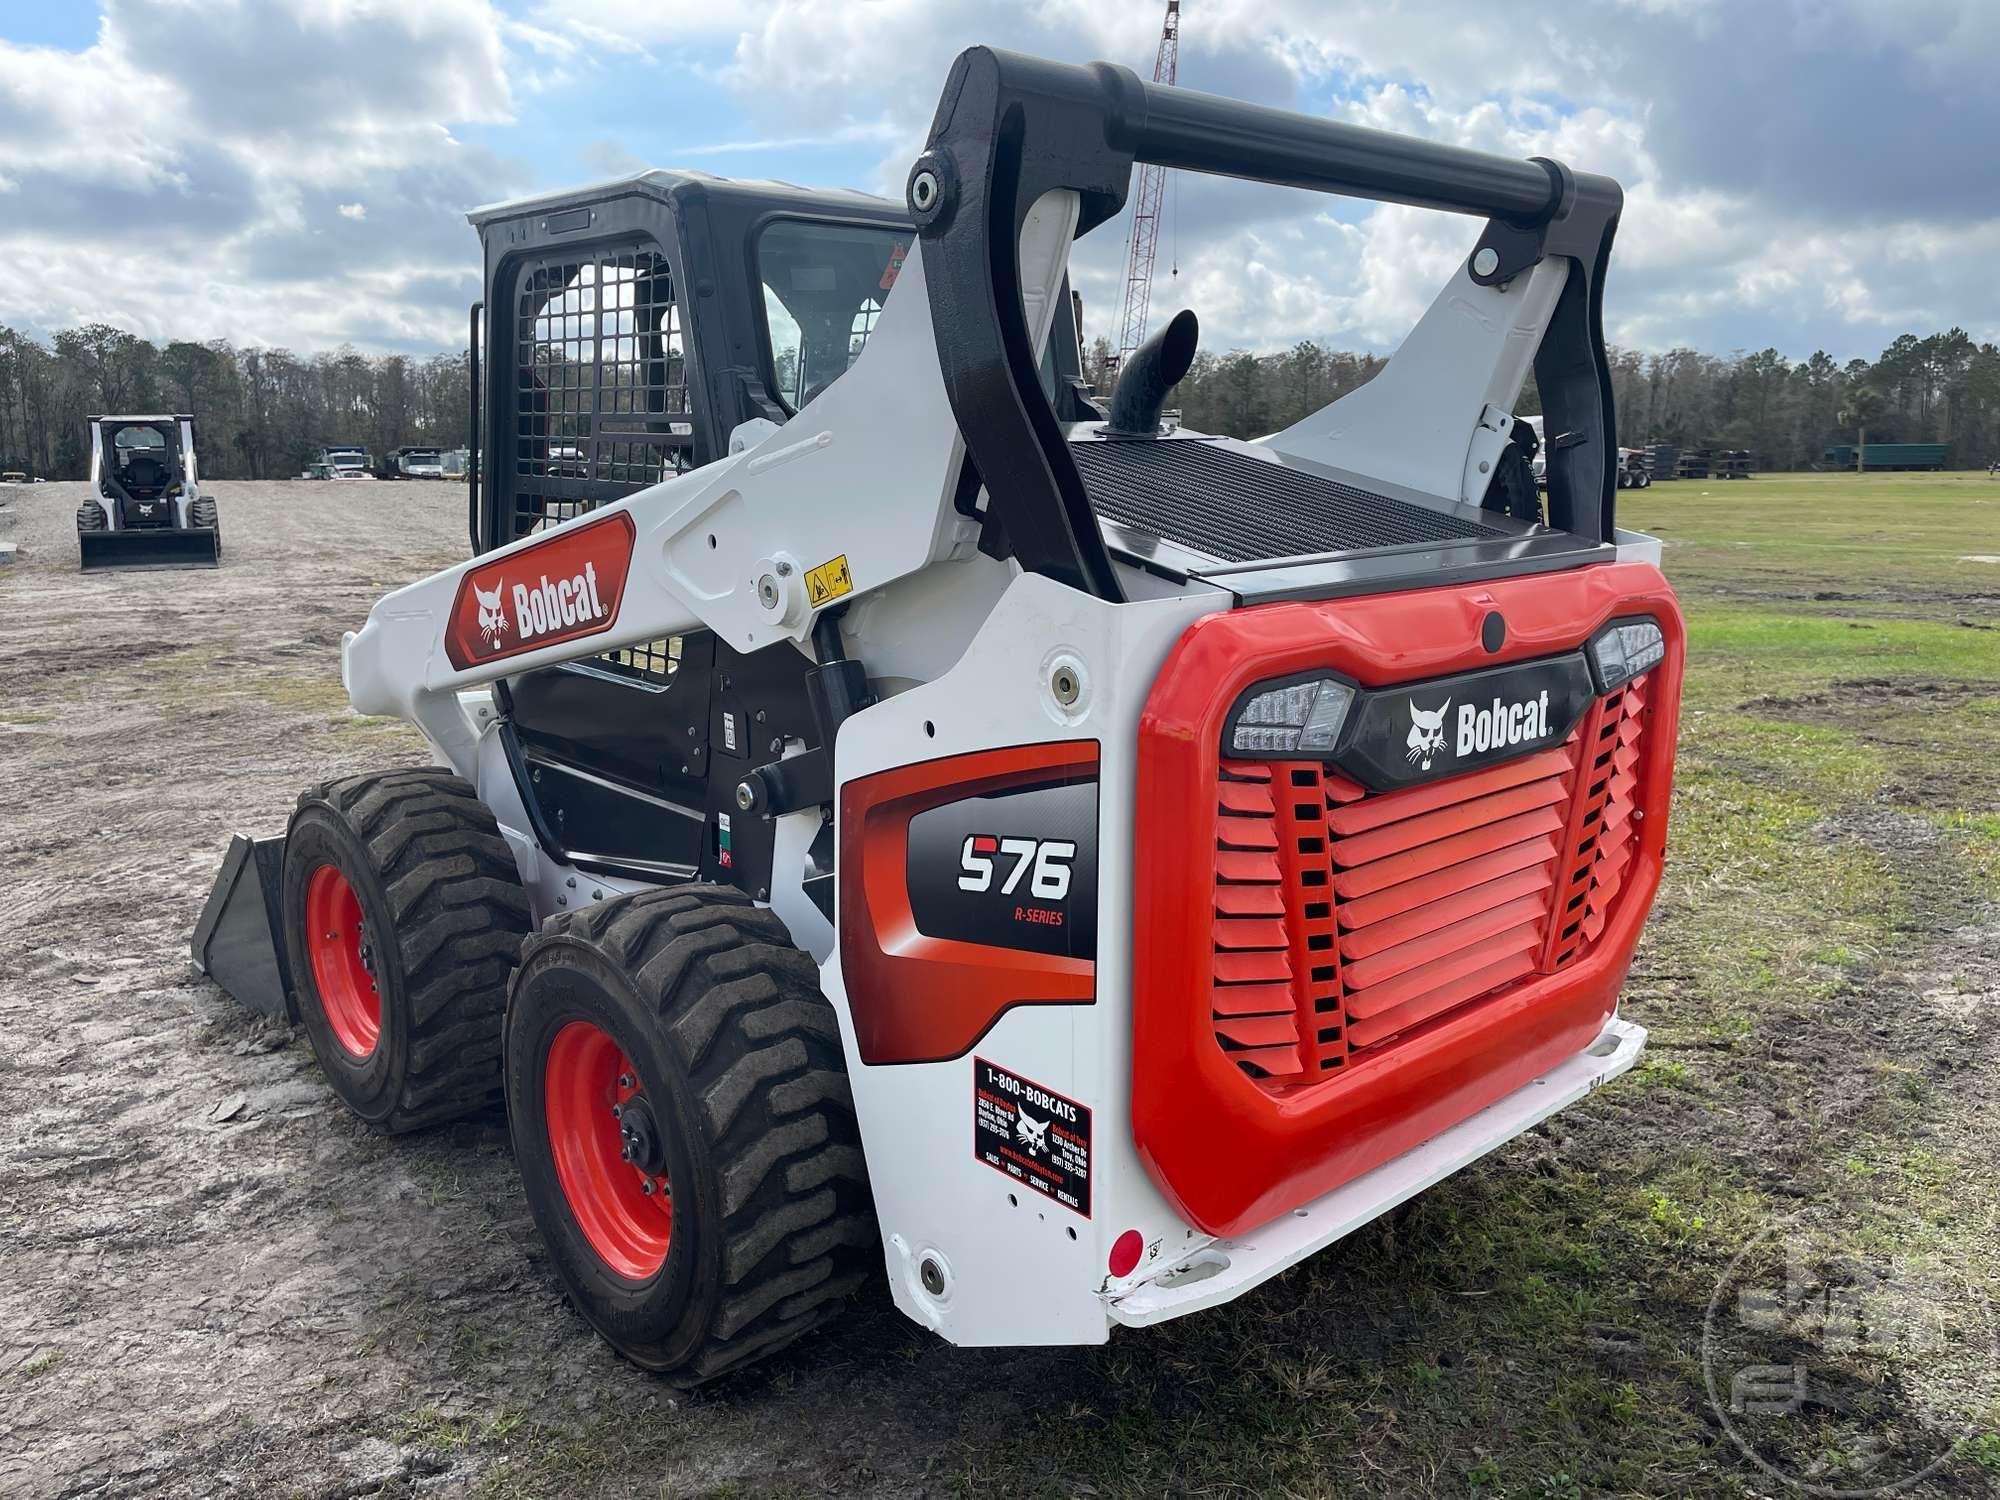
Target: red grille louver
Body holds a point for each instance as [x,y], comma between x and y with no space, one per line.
[1345,921]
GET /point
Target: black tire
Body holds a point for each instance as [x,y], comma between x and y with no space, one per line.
[736,1058]
[202,513]
[90,517]
[424,864]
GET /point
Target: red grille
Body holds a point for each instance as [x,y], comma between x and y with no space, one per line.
[1344,920]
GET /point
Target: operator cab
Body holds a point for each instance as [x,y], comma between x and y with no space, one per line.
[629,329]
[144,469]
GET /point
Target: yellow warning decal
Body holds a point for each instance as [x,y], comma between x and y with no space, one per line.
[829,581]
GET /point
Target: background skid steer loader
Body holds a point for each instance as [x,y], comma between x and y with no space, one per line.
[892,811]
[146,508]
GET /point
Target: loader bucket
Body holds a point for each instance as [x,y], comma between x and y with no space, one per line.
[239,941]
[173,547]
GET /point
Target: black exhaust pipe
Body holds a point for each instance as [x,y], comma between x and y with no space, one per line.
[1154,369]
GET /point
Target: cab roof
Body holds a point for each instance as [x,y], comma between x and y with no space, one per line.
[661,183]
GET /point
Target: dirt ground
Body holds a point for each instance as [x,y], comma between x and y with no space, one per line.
[217,1282]
[212,1282]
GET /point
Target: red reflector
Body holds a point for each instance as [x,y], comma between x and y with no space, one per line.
[1125,1251]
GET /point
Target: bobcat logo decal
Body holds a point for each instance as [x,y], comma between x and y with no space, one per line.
[1426,733]
[492,619]
[1033,1134]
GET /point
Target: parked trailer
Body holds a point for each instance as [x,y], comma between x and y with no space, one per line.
[1715,463]
[1889,456]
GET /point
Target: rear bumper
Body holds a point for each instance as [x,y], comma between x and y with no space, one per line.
[1228,1268]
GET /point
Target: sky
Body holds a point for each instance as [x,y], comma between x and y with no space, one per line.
[1804,174]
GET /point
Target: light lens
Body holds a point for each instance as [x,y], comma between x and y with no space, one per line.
[1125,1253]
[1299,718]
[1625,649]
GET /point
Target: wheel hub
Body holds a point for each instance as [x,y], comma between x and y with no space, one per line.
[639,1136]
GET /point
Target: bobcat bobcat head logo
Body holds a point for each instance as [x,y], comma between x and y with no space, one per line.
[1426,733]
[492,619]
[1031,1133]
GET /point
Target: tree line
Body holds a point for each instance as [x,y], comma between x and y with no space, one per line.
[265,413]
[1941,389]
[259,413]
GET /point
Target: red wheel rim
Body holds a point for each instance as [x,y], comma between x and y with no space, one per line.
[624,1210]
[334,942]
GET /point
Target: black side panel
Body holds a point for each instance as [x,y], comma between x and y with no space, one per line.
[649,733]
[640,776]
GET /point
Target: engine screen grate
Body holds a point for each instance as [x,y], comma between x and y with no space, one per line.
[1236,508]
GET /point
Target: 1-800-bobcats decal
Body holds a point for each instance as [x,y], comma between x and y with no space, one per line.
[560,589]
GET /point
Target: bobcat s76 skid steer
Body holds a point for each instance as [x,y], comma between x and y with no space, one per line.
[894,812]
[146,508]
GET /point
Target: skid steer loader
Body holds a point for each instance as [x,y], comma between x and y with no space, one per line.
[146,508]
[894,812]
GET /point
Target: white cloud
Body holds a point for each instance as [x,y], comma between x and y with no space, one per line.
[205,168]
[1796,171]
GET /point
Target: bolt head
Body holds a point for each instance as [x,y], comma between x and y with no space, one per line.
[767,591]
[932,1276]
[746,797]
[1066,684]
[923,190]
[1486,261]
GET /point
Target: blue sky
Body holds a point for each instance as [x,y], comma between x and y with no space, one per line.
[1799,173]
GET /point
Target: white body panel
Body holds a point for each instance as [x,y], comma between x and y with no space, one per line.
[1431,419]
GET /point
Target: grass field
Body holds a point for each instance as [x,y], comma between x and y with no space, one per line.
[1822,986]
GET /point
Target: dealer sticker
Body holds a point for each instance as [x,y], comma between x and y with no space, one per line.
[1033,1134]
